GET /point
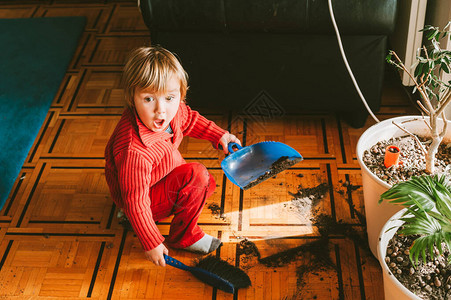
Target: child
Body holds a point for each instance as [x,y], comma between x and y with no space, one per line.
[147,176]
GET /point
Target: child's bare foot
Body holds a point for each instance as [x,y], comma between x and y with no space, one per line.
[205,245]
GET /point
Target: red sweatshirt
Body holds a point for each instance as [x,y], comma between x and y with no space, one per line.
[137,158]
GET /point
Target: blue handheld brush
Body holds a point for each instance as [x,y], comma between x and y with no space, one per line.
[215,272]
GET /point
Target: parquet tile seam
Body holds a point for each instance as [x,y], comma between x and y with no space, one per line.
[109,18]
[62,90]
[339,272]
[116,266]
[34,12]
[75,65]
[77,89]
[359,271]
[331,193]
[30,196]
[58,132]
[41,135]
[349,195]
[96,269]
[14,194]
[340,135]
[5,254]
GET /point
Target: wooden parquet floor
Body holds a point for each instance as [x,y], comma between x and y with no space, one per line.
[59,235]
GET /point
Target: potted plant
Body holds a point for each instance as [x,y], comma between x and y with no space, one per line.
[414,245]
[417,156]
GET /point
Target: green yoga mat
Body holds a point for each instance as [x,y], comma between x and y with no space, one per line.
[34,56]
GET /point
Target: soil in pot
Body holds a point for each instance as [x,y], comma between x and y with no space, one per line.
[412,159]
[431,280]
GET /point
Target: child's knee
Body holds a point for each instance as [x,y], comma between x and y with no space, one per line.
[200,175]
[191,178]
[199,179]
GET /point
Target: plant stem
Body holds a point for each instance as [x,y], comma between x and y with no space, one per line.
[433,147]
[413,136]
[419,87]
[444,103]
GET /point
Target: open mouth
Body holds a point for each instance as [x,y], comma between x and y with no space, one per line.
[159,123]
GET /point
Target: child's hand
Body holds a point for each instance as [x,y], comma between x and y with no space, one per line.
[226,139]
[156,255]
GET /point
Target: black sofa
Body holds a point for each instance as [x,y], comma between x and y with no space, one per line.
[242,53]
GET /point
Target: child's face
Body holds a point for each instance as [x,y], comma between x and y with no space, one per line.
[156,110]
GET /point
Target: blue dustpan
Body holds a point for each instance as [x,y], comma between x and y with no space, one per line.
[253,164]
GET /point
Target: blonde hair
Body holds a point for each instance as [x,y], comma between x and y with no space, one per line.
[151,68]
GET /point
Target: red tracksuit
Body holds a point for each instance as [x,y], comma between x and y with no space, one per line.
[149,179]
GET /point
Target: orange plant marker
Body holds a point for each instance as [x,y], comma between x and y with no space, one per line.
[391,156]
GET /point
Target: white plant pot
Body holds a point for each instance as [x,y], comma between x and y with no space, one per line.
[393,289]
[373,187]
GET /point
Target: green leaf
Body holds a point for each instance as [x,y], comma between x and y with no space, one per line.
[419,246]
[436,46]
[418,70]
[433,34]
[422,59]
[404,192]
[428,203]
[444,67]
[443,220]
[427,28]
[388,57]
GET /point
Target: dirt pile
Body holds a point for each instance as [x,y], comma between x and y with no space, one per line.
[217,212]
[317,252]
[306,200]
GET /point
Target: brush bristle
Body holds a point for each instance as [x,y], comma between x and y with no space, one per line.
[237,277]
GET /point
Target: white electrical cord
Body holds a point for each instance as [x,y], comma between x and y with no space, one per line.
[346,62]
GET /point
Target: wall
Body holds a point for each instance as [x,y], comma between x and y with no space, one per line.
[407,39]
[439,14]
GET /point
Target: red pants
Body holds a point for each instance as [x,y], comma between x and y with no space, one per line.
[182,193]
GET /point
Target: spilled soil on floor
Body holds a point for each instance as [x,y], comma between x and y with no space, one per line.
[345,189]
[217,212]
[317,252]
